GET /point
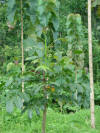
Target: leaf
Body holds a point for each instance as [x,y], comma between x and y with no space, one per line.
[55,23]
[86,104]
[29,43]
[26,97]
[33,18]
[41,9]
[19,102]
[33,3]
[55,83]
[58,82]
[43,20]
[30,113]
[55,35]
[58,68]
[72,87]
[78,52]
[43,68]
[33,10]
[37,111]
[37,89]
[35,61]
[9,106]
[10,66]
[79,88]
[79,98]
[11,3]
[39,29]
[9,82]
[40,53]
[11,15]
[58,56]
[31,58]
[11,10]
[78,18]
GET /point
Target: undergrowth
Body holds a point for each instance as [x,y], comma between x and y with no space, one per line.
[78,122]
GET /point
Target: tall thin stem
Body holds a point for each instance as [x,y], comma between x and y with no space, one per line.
[45,50]
[22,48]
[45,96]
[45,109]
[44,119]
[91,65]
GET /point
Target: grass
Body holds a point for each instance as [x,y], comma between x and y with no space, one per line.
[56,122]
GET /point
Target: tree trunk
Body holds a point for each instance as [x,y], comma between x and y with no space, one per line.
[44,119]
[91,65]
[45,108]
[22,48]
[76,81]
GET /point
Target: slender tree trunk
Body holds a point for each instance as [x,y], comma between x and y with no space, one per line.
[76,81]
[44,119]
[45,108]
[91,65]
[22,43]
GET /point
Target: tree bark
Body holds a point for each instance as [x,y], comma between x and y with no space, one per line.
[91,65]
[76,81]
[45,108]
[22,48]
[44,119]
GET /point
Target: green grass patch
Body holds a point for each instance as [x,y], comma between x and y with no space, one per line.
[78,122]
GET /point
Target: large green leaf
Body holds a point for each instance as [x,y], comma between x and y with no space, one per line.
[31,58]
[11,10]
[29,43]
[19,102]
[33,18]
[11,3]
[43,20]
[55,23]
[58,68]
[39,29]
[79,88]
[11,15]
[33,10]
[30,113]
[9,106]
[43,68]
[41,9]
[25,97]
[9,82]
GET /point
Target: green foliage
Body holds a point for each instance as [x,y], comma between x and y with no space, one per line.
[95,3]
[59,77]
[11,10]
[9,54]
[9,106]
[97,93]
[75,39]
[67,7]
[56,122]
[78,6]
[47,64]
[54,60]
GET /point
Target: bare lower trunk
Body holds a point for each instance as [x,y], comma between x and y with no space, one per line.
[45,108]
[44,119]
[91,65]
[76,82]
[22,48]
